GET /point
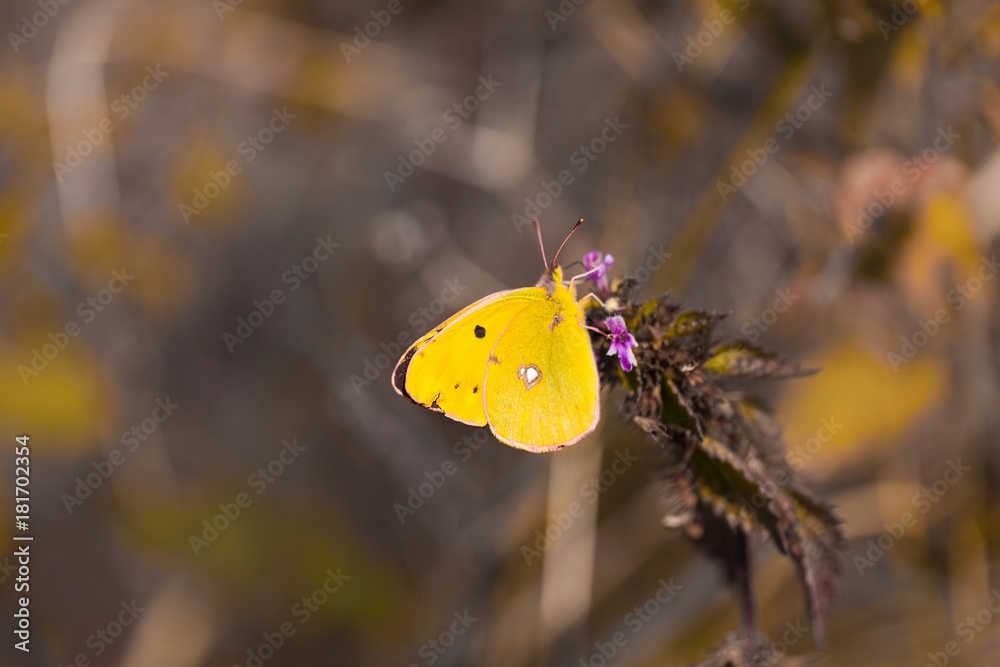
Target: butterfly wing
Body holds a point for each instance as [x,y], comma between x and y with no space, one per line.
[542,383]
[445,369]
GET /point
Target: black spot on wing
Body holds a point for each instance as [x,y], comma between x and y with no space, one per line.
[434,404]
[457,384]
[480,331]
[475,390]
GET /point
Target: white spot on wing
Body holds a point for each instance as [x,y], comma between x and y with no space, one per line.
[530,375]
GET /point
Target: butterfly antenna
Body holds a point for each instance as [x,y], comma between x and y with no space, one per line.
[541,244]
[575,227]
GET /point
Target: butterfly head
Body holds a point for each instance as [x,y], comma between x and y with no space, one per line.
[552,278]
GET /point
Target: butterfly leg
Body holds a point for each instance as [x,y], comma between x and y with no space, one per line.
[591,300]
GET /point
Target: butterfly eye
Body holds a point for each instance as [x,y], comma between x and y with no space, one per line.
[530,375]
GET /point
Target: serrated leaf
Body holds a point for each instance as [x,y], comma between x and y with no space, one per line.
[726,473]
[727,485]
[820,564]
[802,527]
[680,499]
[763,430]
[646,310]
[692,322]
[677,410]
[741,359]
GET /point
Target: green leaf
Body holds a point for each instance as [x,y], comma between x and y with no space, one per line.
[741,359]
[692,322]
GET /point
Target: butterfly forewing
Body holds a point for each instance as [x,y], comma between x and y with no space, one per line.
[445,369]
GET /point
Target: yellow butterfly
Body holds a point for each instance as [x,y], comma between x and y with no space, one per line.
[519,360]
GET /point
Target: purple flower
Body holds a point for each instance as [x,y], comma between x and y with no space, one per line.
[622,342]
[599,265]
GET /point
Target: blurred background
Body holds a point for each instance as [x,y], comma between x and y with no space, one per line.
[221,223]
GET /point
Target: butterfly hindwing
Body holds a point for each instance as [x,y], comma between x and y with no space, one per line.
[445,369]
[542,383]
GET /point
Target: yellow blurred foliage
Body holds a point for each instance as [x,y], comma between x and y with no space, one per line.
[869,402]
[987,39]
[318,76]
[65,408]
[949,226]
[164,278]
[14,214]
[942,245]
[198,182]
[22,109]
[235,551]
[909,58]
[160,33]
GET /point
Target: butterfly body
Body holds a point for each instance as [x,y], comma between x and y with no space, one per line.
[519,361]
